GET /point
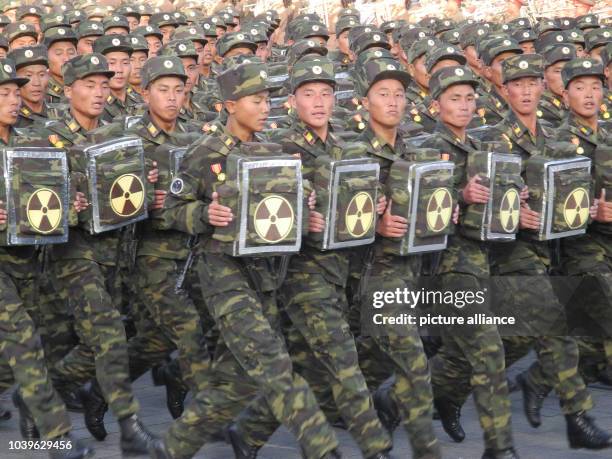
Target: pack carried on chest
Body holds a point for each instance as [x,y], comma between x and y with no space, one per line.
[560,191]
[35,191]
[498,219]
[263,187]
[117,183]
[602,165]
[346,196]
[422,192]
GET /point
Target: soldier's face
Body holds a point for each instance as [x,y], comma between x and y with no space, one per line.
[10,103]
[165,96]
[262,51]
[552,78]
[133,22]
[59,53]
[119,62]
[580,51]
[584,96]
[88,95]
[116,31]
[85,45]
[193,72]
[220,31]
[34,20]
[199,50]
[34,91]
[237,52]
[494,72]
[607,72]
[137,60]
[596,53]
[210,50]
[343,43]
[528,47]
[167,32]
[523,94]
[313,103]
[321,41]
[154,45]
[386,103]
[472,58]
[250,112]
[2,53]
[21,42]
[457,105]
[419,72]
[442,64]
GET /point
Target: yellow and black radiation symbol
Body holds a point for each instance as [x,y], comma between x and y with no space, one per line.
[359,214]
[273,219]
[509,210]
[44,210]
[127,195]
[439,210]
[576,208]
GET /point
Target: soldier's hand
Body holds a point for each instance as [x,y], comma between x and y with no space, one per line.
[475,193]
[80,203]
[604,209]
[3,214]
[524,194]
[312,200]
[219,215]
[381,205]
[391,225]
[153,175]
[456,215]
[529,219]
[316,222]
[158,200]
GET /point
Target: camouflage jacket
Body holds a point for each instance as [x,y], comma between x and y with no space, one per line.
[28,118]
[605,110]
[115,108]
[491,106]
[196,113]
[55,91]
[342,61]
[552,109]
[380,150]
[415,94]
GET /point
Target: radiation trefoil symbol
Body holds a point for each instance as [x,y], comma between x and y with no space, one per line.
[439,210]
[576,208]
[44,210]
[509,210]
[359,215]
[273,219]
[127,195]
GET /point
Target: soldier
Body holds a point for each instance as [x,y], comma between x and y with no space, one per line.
[138,59]
[40,407]
[313,294]
[116,25]
[250,352]
[61,47]
[153,36]
[596,41]
[166,23]
[123,100]
[464,266]
[416,54]
[605,112]
[21,34]
[84,267]
[551,105]
[208,54]
[342,55]
[87,33]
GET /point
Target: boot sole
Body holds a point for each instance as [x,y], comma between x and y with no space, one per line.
[522,384]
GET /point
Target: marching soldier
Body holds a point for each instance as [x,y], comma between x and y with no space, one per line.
[87,32]
[20,34]
[138,59]
[61,47]
[552,108]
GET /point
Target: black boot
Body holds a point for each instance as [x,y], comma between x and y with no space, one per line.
[386,408]
[77,449]
[450,415]
[71,399]
[176,391]
[135,438]
[533,399]
[509,453]
[157,450]
[582,432]
[242,450]
[5,415]
[333,454]
[94,407]
[381,455]
[27,426]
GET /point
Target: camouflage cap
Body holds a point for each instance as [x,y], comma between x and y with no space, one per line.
[372,53]
[8,75]
[606,55]
[310,29]
[378,69]
[256,30]
[180,18]
[30,10]
[85,65]
[242,59]
[369,40]
[450,36]
[57,34]
[113,43]
[4,44]
[162,66]
[20,29]
[227,18]
[359,29]
[520,23]
[558,53]
[313,69]
[116,20]
[525,65]
[349,12]
[582,67]
[244,80]
[138,43]
[217,21]
[233,40]
[547,25]
[193,17]
[470,34]
[390,26]
[149,31]
[53,20]
[446,77]
[443,25]
[180,48]
[209,28]
[496,46]
[346,23]
[575,36]
[597,37]
[145,10]
[587,21]
[525,35]
[442,52]
[10,5]
[550,39]
[409,36]
[96,12]
[420,47]
[127,10]
[302,47]
[89,29]
[4,20]
[567,23]
[29,55]
[192,32]
[309,17]
[163,19]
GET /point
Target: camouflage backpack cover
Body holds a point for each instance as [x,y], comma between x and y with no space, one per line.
[602,165]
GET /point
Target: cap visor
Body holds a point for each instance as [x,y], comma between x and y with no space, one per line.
[18,81]
[402,77]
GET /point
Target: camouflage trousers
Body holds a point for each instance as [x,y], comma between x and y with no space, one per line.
[102,350]
[169,321]
[250,360]
[323,350]
[403,348]
[21,349]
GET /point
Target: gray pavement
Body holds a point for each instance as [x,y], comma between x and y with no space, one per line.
[547,442]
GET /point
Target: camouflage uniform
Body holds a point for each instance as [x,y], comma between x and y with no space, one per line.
[250,356]
[55,89]
[552,108]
